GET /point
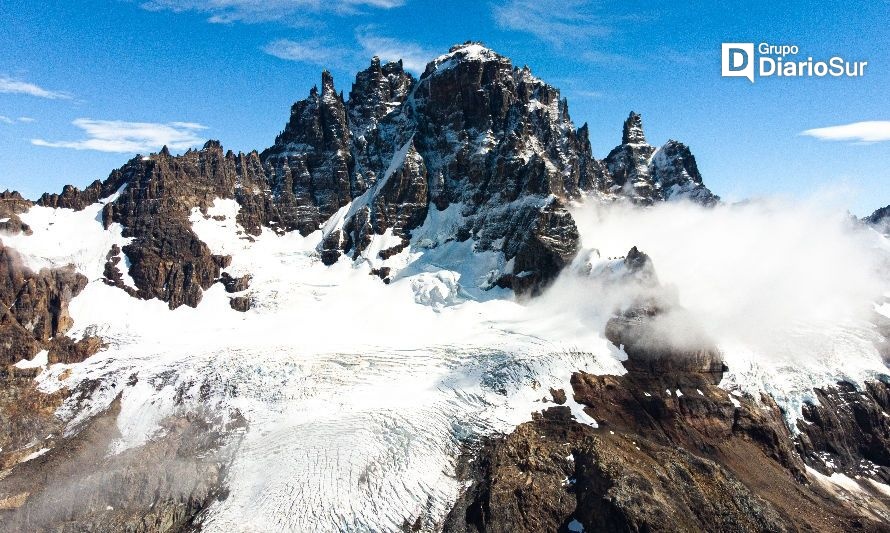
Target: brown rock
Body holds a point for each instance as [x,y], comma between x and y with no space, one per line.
[233,284]
[240,303]
[65,350]
[34,306]
[11,205]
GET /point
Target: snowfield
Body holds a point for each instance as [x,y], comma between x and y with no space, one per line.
[358,395]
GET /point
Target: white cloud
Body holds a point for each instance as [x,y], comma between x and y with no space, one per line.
[315,52]
[557,22]
[865,132]
[319,52]
[225,11]
[587,94]
[7,120]
[130,137]
[413,56]
[12,86]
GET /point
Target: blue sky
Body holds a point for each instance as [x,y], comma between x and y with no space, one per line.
[84,85]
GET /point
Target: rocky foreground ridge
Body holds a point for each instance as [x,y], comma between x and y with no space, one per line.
[672,451]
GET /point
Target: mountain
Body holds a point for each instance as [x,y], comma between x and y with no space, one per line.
[646,175]
[880,220]
[392,319]
[474,134]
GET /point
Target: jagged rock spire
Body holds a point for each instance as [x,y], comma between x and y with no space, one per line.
[327,82]
[633,130]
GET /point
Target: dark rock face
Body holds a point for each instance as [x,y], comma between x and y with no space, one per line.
[542,241]
[657,335]
[11,206]
[27,415]
[74,198]
[376,93]
[553,472]
[311,164]
[646,175]
[167,260]
[632,133]
[848,431]
[34,305]
[233,284]
[628,164]
[399,201]
[676,173]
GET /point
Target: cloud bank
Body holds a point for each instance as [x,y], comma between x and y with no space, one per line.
[130,137]
[787,290]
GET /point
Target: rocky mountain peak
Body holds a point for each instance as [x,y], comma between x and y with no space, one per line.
[327,81]
[470,51]
[633,130]
[473,132]
[880,220]
[376,92]
[645,175]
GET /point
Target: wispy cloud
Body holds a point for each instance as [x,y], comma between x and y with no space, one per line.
[130,137]
[12,86]
[870,131]
[7,120]
[587,95]
[557,22]
[414,57]
[314,51]
[226,11]
[319,52]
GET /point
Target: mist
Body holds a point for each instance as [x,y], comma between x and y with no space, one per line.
[772,282]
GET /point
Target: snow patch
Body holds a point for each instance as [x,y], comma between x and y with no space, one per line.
[40,360]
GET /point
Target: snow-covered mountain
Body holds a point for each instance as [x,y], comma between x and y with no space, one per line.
[331,334]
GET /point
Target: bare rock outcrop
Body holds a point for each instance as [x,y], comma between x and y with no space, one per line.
[11,206]
[34,305]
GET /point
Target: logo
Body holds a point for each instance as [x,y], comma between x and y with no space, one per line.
[738,60]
